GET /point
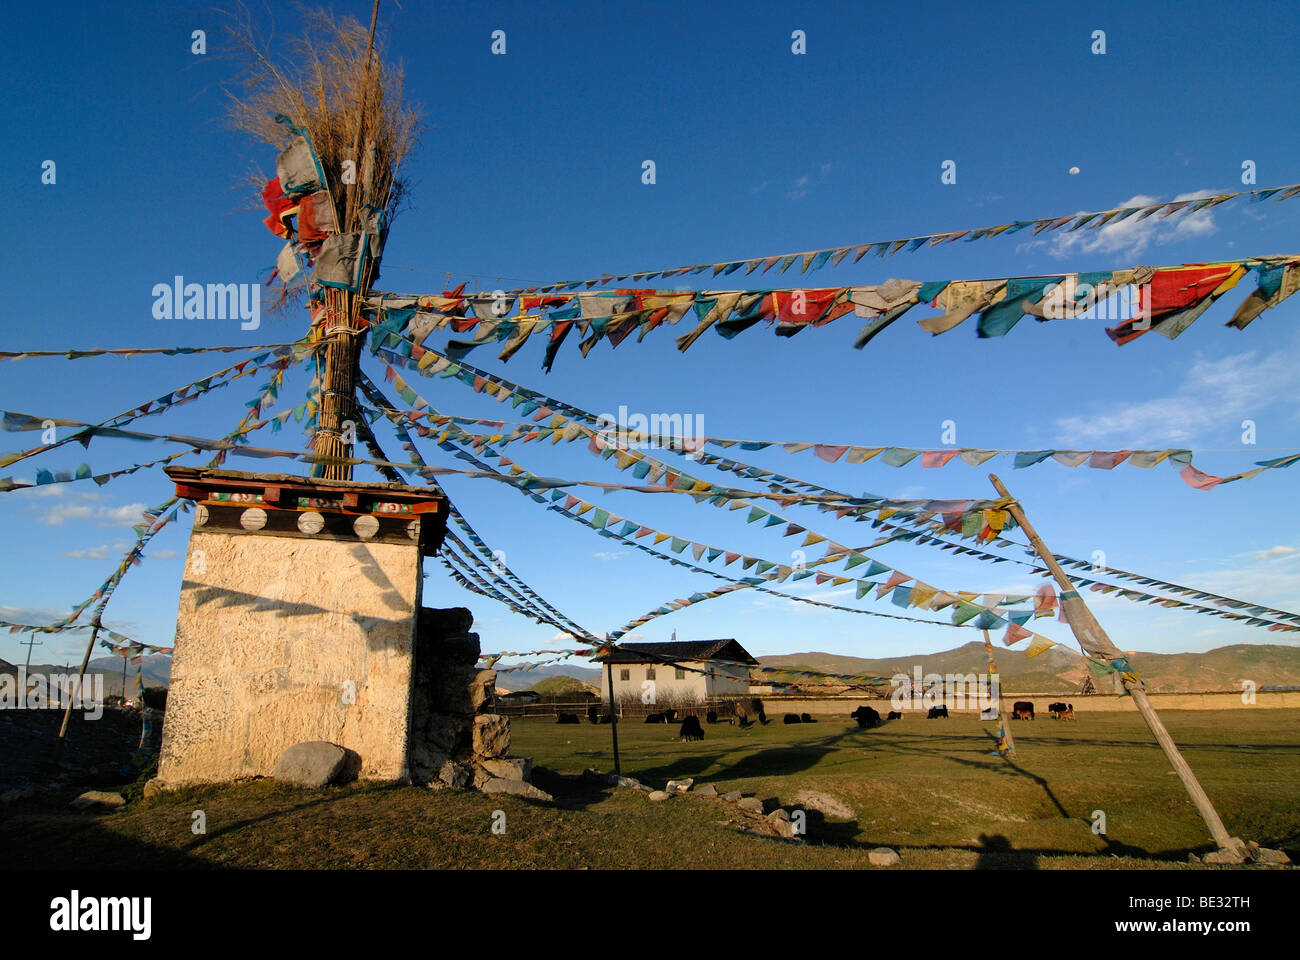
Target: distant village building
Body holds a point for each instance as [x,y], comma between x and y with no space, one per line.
[678,671]
[518,697]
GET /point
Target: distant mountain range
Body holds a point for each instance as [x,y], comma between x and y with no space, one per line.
[156,668]
[526,679]
[1056,670]
[1059,669]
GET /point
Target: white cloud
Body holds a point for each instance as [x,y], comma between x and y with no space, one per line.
[163,554]
[89,553]
[1131,236]
[60,513]
[123,516]
[1213,392]
[607,555]
[57,514]
[1273,552]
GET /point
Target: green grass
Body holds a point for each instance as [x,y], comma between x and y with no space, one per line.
[931,789]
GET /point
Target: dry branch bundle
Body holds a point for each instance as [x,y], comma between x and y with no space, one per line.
[329,81]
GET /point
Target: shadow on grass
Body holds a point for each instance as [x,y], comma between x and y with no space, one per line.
[84,842]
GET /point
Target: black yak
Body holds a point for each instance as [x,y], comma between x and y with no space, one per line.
[866,717]
[691,729]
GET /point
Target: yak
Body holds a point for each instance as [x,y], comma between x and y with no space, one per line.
[866,717]
[691,729]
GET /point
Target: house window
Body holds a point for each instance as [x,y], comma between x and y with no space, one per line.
[625,674]
[649,673]
[681,674]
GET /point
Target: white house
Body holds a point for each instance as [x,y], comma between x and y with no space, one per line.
[678,672]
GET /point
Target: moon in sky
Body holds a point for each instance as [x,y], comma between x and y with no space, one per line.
[1074,171]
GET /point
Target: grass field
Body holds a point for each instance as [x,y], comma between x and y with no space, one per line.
[931,789]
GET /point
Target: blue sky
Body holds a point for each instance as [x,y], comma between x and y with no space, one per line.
[530,170]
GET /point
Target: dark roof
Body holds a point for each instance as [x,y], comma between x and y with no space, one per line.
[674,651]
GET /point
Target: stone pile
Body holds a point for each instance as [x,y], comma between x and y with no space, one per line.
[457,739]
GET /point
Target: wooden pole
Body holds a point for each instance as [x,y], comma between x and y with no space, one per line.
[1094,641]
[338,385]
[81,674]
[27,669]
[1002,714]
[33,642]
[613,715]
[342,327]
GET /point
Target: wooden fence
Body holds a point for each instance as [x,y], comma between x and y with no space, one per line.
[634,710]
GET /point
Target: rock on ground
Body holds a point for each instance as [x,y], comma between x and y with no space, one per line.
[883,857]
[453,774]
[679,786]
[314,763]
[823,803]
[657,796]
[98,798]
[491,735]
[707,790]
[517,788]
[750,804]
[509,768]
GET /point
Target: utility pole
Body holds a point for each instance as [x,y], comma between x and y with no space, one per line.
[29,644]
[27,668]
[613,714]
[1094,641]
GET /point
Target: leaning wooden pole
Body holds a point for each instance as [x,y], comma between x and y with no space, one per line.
[75,693]
[1094,641]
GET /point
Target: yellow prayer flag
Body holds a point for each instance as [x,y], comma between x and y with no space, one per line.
[921,595]
[1039,644]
